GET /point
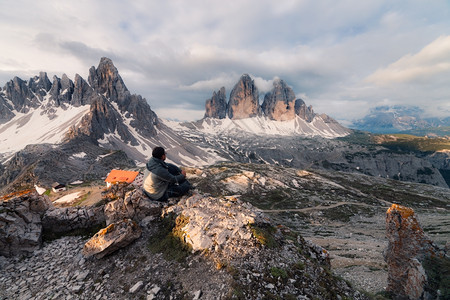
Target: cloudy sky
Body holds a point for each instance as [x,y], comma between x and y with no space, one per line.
[341,57]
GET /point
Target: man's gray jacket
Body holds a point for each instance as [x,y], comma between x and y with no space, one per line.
[157,178]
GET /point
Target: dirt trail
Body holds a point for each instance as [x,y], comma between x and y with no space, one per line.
[318,207]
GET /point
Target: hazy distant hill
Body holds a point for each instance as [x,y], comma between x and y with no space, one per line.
[396,119]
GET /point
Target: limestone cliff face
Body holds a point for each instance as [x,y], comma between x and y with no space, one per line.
[216,107]
[279,104]
[244,101]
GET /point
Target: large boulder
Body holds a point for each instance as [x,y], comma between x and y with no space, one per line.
[134,205]
[217,224]
[112,238]
[20,222]
[408,256]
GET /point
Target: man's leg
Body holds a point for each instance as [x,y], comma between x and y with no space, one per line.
[178,190]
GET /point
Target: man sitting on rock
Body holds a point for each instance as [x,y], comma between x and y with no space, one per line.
[164,180]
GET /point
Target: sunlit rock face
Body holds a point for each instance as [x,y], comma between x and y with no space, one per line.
[407,250]
[279,103]
[134,205]
[244,101]
[112,238]
[216,107]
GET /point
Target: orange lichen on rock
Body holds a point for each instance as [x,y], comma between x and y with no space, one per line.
[404,211]
[106,230]
[15,194]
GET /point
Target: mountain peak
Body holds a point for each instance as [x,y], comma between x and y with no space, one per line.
[216,107]
[244,102]
[106,81]
[279,103]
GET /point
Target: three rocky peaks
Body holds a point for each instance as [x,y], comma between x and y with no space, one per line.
[279,104]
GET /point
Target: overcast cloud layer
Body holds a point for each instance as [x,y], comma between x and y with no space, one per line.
[341,57]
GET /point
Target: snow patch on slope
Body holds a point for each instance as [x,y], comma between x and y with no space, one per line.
[264,126]
[37,127]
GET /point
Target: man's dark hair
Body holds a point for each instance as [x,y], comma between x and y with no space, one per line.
[158,152]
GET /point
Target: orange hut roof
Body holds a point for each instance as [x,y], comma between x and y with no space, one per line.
[121,176]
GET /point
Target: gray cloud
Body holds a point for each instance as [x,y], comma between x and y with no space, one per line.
[342,57]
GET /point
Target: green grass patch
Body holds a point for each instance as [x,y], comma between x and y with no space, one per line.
[278,272]
[169,239]
[411,143]
[265,234]
[81,199]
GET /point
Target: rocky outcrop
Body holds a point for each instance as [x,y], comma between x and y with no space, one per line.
[216,107]
[20,222]
[58,221]
[21,97]
[106,81]
[244,99]
[82,93]
[102,119]
[237,249]
[25,217]
[40,85]
[408,249]
[210,227]
[112,238]
[134,205]
[279,104]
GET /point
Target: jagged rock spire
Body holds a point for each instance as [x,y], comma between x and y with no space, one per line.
[279,104]
[244,101]
[106,81]
[216,107]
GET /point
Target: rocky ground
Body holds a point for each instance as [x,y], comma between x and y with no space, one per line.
[233,252]
[342,212]
[59,271]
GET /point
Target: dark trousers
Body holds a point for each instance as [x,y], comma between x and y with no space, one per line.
[177,190]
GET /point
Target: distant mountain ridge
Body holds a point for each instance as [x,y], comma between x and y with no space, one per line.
[397,119]
[279,114]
